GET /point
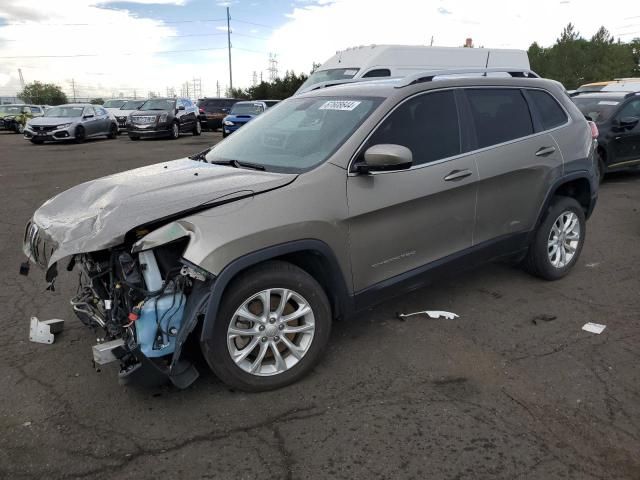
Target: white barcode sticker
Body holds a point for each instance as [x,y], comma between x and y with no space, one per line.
[607,102]
[345,105]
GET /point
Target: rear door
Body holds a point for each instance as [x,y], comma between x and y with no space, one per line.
[90,121]
[401,220]
[104,120]
[517,160]
[626,136]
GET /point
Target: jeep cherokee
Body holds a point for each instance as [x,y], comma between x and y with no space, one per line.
[330,203]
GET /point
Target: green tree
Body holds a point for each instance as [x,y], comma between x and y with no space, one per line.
[574,60]
[279,89]
[42,94]
[97,101]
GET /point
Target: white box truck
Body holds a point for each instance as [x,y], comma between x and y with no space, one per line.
[374,61]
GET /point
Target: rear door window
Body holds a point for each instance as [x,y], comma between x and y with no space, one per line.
[550,112]
[499,115]
[427,125]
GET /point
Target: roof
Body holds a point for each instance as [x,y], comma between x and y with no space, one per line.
[601,94]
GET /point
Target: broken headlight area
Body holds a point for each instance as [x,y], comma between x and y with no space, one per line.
[145,304]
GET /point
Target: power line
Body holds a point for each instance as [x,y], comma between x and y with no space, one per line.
[120,53]
[256,24]
[170,22]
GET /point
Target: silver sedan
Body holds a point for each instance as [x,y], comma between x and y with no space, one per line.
[75,121]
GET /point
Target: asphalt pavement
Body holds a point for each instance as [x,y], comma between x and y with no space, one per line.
[512,389]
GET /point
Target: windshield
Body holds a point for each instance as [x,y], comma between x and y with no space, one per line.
[298,135]
[597,109]
[114,103]
[158,104]
[247,109]
[10,109]
[132,105]
[64,112]
[329,75]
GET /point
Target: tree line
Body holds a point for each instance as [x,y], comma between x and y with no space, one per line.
[574,60]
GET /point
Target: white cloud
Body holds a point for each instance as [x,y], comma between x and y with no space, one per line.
[314,32]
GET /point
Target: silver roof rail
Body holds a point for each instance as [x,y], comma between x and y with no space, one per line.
[429,75]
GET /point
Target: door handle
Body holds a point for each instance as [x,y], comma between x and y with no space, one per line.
[457,175]
[544,151]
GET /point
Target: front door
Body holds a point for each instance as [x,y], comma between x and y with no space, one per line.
[402,220]
[626,135]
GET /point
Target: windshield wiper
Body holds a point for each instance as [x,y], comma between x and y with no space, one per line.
[239,164]
[202,156]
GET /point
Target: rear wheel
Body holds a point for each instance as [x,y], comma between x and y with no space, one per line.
[272,327]
[80,134]
[602,167]
[558,240]
[113,131]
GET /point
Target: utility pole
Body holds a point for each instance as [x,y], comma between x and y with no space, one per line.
[431,44]
[134,94]
[229,46]
[73,86]
[21,77]
[218,88]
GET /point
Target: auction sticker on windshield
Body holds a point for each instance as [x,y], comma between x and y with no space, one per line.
[346,105]
[607,102]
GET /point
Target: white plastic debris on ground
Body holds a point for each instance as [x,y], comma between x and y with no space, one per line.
[43,332]
[430,313]
[593,328]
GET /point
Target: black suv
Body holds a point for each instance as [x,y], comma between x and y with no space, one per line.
[213,110]
[164,117]
[617,116]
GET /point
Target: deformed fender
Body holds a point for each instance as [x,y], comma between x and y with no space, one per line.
[254,258]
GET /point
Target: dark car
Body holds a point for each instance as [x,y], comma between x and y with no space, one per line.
[213,110]
[243,112]
[617,116]
[164,117]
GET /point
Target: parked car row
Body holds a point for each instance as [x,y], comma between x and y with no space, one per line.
[74,121]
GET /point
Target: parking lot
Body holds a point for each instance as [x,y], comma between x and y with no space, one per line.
[513,388]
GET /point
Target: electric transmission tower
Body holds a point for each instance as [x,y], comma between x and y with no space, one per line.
[273,67]
[254,80]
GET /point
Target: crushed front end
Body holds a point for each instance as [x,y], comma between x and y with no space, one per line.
[141,305]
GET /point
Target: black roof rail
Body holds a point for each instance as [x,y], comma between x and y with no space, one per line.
[429,75]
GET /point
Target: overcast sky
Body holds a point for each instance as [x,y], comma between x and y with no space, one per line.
[108,48]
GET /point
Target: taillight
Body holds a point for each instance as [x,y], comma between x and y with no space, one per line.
[594,129]
[201,110]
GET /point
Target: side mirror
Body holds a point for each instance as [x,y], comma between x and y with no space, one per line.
[386,157]
[181,107]
[628,121]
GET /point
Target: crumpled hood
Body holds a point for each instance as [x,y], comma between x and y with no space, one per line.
[97,214]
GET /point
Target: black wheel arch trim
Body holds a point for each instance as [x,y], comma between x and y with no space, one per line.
[342,301]
[576,175]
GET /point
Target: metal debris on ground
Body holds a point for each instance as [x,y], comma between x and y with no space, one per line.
[43,332]
[430,313]
[593,328]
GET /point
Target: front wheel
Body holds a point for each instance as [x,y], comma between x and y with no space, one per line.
[273,325]
[197,130]
[80,134]
[175,130]
[134,137]
[558,241]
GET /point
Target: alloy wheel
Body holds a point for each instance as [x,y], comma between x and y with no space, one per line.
[270,332]
[564,239]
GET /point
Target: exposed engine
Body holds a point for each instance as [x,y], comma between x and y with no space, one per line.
[137,301]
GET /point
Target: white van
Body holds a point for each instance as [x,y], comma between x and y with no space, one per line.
[402,60]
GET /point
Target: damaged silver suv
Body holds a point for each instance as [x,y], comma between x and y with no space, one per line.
[319,208]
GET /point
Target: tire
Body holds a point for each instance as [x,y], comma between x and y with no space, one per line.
[197,130]
[36,141]
[602,168]
[224,135]
[175,131]
[113,131]
[80,134]
[133,137]
[277,277]
[541,260]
